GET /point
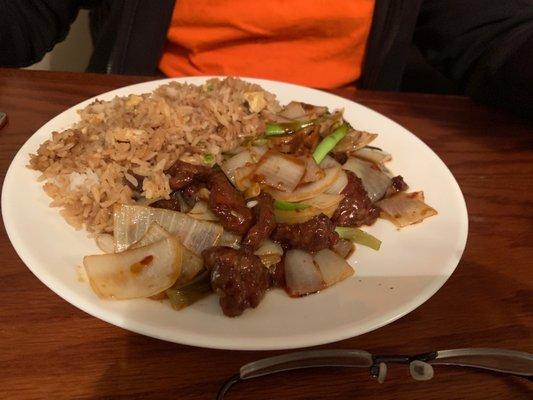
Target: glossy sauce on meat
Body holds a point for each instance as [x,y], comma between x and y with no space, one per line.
[228,204]
[356,208]
[237,277]
[182,174]
[314,235]
[170,204]
[265,222]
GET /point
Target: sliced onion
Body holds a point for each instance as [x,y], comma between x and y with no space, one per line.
[301,216]
[313,172]
[343,248]
[309,190]
[269,247]
[155,233]
[301,274]
[202,212]
[404,209]
[325,201]
[329,162]
[256,152]
[269,252]
[354,140]
[237,161]
[293,110]
[242,177]
[135,273]
[333,267]
[132,221]
[339,184]
[375,156]
[321,204]
[230,239]
[105,242]
[375,181]
[192,264]
[279,171]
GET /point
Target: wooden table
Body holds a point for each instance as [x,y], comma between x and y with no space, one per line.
[51,350]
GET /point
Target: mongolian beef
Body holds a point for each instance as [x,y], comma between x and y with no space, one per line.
[282,207]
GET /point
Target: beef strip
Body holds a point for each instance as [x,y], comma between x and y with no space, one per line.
[183,174]
[237,277]
[356,208]
[313,235]
[170,204]
[398,185]
[228,204]
[299,143]
[265,222]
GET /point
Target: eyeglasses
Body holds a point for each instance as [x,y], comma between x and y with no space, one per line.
[420,366]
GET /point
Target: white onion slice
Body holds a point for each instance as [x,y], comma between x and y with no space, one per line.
[329,162]
[309,190]
[105,242]
[202,212]
[132,221]
[333,267]
[237,161]
[293,110]
[313,172]
[301,274]
[280,171]
[373,155]
[325,201]
[268,247]
[339,184]
[269,252]
[155,233]
[192,264]
[242,177]
[136,273]
[256,152]
[353,141]
[404,209]
[375,181]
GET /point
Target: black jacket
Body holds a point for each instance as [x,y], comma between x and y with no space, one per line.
[485,47]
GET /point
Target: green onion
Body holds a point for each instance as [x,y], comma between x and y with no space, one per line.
[329,142]
[208,158]
[285,128]
[358,236]
[287,205]
[181,297]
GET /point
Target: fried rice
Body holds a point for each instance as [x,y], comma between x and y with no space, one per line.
[130,141]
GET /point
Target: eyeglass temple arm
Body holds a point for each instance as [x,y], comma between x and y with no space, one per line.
[299,360]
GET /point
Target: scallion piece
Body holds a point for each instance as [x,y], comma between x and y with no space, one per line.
[329,142]
[358,236]
[208,158]
[288,206]
[181,297]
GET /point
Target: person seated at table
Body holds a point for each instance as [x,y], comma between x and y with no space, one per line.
[483,48]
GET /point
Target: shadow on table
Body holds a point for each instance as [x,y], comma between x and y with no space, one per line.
[146,368]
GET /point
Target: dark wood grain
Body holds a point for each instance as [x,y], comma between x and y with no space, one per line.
[49,349]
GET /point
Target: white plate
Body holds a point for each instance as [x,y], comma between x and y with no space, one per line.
[410,267]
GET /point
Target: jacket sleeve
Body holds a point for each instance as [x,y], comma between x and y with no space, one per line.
[31,28]
[485,46]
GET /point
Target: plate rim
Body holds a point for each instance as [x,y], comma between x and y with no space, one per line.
[201,340]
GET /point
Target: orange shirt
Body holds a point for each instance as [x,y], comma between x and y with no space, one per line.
[318,43]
